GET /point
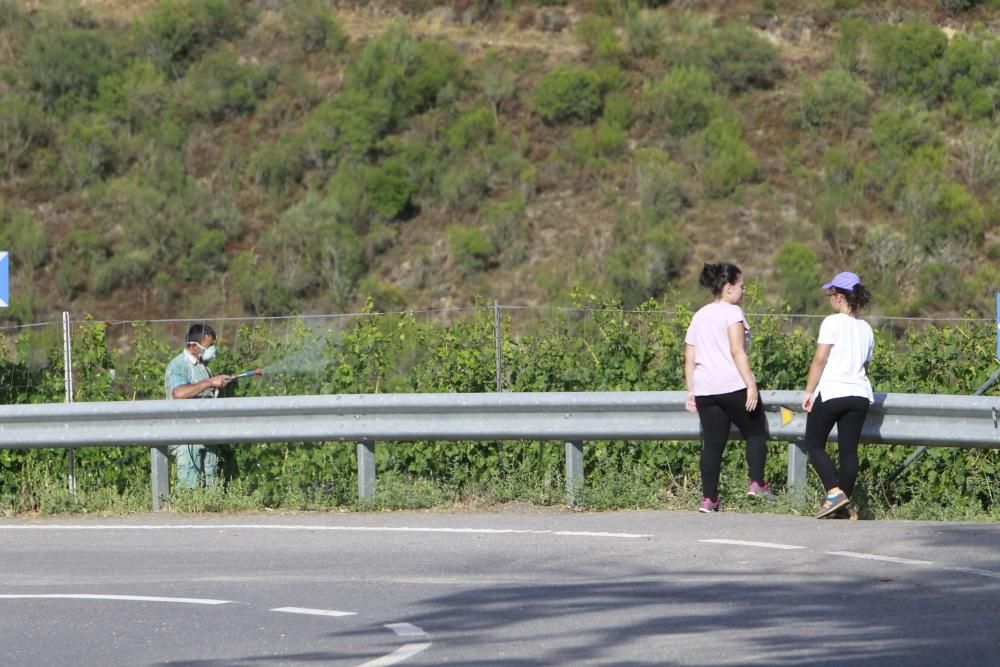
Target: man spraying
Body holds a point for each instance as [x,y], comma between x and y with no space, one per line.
[188,376]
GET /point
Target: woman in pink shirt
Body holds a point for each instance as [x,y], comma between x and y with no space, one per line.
[721,387]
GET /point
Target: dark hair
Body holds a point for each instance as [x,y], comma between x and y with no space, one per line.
[198,331]
[717,276]
[857,298]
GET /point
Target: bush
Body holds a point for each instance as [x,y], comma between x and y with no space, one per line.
[61,63]
[836,99]
[799,276]
[728,160]
[507,228]
[644,32]
[177,33]
[940,285]
[683,101]
[217,87]
[598,35]
[906,59]
[617,110]
[90,152]
[470,249]
[847,47]
[135,97]
[567,93]
[738,58]
[660,185]
[970,78]
[207,255]
[346,129]
[407,74]
[23,127]
[313,27]
[471,128]
[642,267]
[390,189]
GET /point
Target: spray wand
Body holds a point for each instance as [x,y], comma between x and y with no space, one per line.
[256,371]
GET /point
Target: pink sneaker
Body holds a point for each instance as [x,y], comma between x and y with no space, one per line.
[761,491]
[708,505]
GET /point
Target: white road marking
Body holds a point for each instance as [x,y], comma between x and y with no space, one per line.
[976,571]
[133,598]
[404,652]
[315,612]
[406,630]
[373,529]
[886,559]
[764,545]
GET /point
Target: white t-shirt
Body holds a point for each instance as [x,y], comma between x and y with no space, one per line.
[853,343]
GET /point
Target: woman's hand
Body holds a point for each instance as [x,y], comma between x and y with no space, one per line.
[752,397]
[807,402]
[689,404]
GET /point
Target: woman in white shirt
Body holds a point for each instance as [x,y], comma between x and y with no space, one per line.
[838,391]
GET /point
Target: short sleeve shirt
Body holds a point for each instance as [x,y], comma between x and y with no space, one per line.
[853,343]
[715,371]
[186,369]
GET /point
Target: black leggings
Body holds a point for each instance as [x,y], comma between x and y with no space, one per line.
[718,413]
[848,413]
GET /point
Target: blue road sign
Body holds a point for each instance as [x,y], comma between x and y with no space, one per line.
[5,279]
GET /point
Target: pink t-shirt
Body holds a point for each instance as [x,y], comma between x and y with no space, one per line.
[715,371]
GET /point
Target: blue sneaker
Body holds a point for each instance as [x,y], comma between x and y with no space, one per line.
[831,504]
[708,505]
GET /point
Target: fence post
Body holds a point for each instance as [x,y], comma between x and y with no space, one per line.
[574,470]
[366,470]
[159,475]
[496,337]
[68,384]
[797,459]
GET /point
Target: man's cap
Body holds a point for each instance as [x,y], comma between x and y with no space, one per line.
[844,280]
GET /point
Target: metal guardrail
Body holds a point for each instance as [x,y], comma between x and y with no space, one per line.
[570,417]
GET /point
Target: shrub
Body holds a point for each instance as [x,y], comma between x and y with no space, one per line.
[728,160]
[644,32]
[390,189]
[207,255]
[836,99]
[847,47]
[256,282]
[940,285]
[799,276]
[738,58]
[683,101]
[313,27]
[617,110]
[660,185]
[969,76]
[642,267]
[906,59]
[471,128]
[598,35]
[90,152]
[463,186]
[135,97]
[507,228]
[177,33]
[409,75]
[939,210]
[469,248]
[896,135]
[346,129]
[23,127]
[568,93]
[217,87]
[66,62]
[496,80]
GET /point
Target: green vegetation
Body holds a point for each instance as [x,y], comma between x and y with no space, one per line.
[299,156]
[595,347]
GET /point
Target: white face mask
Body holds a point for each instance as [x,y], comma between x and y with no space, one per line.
[207,353]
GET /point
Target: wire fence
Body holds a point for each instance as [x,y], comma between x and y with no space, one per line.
[135,352]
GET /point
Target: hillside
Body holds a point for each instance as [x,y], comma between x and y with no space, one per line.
[182,159]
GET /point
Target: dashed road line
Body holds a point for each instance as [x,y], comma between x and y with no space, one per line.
[404,652]
[314,612]
[884,559]
[132,598]
[406,630]
[763,545]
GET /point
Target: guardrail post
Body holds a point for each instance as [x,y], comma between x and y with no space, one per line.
[366,470]
[574,470]
[159,474]
[797,460]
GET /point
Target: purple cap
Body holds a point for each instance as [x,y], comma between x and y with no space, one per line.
[845,280]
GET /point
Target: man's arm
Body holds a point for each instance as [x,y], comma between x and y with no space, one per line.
[193,389]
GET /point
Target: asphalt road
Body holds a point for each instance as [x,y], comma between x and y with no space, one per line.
[514,587]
